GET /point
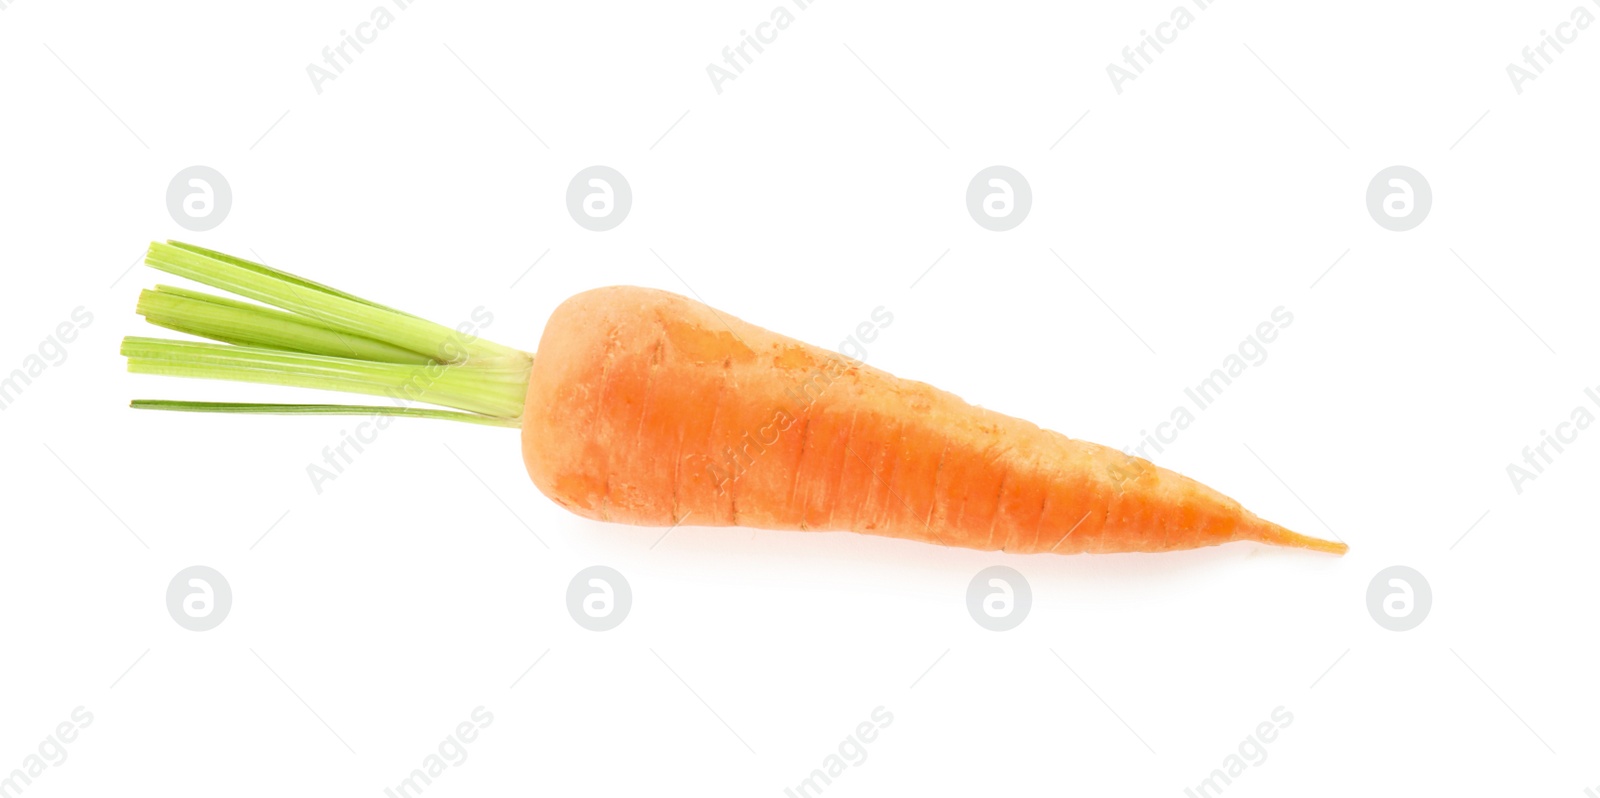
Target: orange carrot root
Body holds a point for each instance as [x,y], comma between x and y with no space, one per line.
[649,408]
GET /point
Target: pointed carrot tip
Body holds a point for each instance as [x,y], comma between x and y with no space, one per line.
[1338,547]
[1274,535]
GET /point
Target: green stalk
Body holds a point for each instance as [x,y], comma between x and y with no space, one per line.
[327,307]
[262,268]
[321,410]
[315,336]
[489,390]
[245,324]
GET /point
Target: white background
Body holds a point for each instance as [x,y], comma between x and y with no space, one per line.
[374,617]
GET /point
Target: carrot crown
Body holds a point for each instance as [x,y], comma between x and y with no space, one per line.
[315,336]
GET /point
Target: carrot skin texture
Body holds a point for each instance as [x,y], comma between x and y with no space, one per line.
[648,408]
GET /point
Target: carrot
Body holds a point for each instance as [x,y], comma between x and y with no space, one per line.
[644,407]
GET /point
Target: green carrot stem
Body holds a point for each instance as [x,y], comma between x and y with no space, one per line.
[282,276]
[328,308]
[246,324]
[489,390]
[321,410]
